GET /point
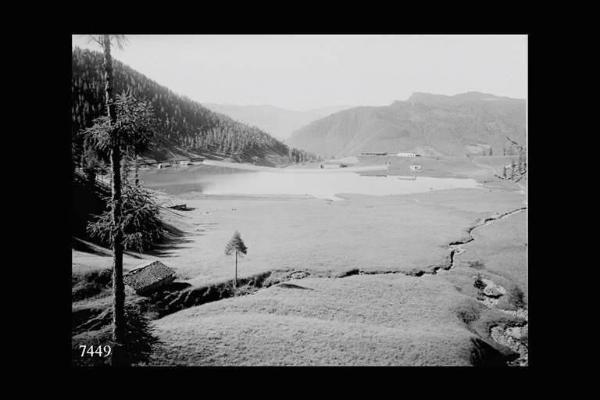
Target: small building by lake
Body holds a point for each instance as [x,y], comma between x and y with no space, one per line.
[149,277]
[408,155]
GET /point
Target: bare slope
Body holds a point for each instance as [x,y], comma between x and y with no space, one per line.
[469,123]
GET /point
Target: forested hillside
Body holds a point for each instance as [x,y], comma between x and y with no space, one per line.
[184,125]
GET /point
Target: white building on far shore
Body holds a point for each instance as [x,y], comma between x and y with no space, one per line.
[410,155]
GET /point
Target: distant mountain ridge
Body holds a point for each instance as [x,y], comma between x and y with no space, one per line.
[439,99]
[276,121]
[432,124]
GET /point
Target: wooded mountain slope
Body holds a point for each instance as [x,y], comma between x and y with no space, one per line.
[184,125]
[469,123]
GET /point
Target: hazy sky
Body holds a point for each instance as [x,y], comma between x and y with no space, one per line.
[302,72]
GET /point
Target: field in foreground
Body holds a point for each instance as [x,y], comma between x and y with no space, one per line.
[380,319]
[358,320]
[365,319]
[388,233]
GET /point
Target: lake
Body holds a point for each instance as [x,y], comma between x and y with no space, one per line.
[317,183]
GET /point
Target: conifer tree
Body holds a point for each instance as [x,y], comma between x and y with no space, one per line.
[236,245]
[118,331]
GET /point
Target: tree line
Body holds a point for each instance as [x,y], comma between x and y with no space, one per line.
[516,167]
[181,121]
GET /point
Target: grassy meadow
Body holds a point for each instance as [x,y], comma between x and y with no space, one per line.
[358,320]
[381,317]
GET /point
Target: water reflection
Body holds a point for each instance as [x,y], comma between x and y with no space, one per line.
[324,185]
[311,182]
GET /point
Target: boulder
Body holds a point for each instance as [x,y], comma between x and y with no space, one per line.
[493,290]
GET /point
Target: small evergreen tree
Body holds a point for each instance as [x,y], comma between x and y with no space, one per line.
[140,226]
[521,160]
[513,168]
[236,244]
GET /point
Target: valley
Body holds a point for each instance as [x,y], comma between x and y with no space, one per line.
[395,246]
[299,200]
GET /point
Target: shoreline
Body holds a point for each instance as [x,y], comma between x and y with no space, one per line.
[289,168]
[388,239]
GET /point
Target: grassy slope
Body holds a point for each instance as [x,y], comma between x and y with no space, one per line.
[372,233]
[496,162]
[502,249]
[89,257]
[391,319]
[443,167]
[377,233]
[360,320]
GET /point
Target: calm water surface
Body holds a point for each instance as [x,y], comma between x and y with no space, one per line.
[317,183]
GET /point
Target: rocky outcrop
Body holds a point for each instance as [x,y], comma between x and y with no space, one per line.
[512,334]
